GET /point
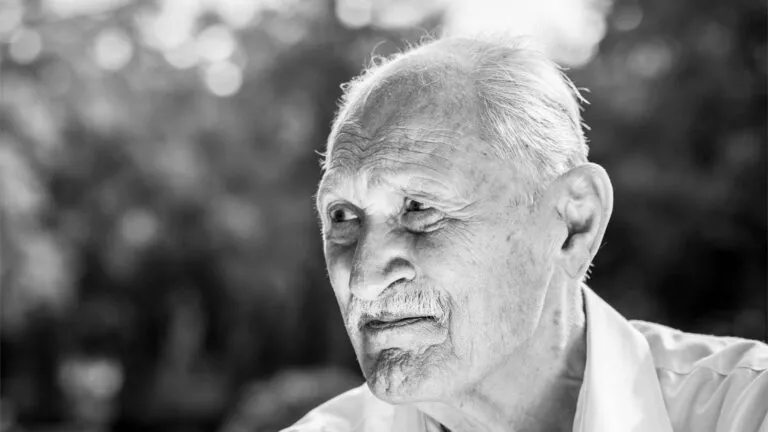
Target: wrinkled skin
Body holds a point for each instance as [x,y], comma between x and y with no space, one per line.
[413,198]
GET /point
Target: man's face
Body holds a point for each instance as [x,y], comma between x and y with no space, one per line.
[434,261]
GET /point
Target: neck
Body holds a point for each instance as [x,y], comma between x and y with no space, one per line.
[537,390]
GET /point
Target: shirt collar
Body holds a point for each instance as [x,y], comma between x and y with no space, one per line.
[620,391]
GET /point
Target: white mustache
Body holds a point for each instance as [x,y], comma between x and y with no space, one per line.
[405,302]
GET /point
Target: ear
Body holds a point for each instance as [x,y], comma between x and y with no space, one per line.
[583,199]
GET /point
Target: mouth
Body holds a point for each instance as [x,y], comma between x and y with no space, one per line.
[391,323]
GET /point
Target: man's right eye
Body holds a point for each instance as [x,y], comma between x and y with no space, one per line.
[342,214]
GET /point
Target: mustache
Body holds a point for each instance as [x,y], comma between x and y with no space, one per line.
[406,301]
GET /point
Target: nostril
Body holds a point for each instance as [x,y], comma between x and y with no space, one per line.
[394,284]
[400,269]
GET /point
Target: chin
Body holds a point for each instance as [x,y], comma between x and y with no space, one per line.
[401,377]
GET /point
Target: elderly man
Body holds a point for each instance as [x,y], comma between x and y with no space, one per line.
[460,217]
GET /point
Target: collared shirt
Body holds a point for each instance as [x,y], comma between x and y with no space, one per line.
[639,377]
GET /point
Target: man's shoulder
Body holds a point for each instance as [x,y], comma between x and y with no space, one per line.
[709,382]
[683,353]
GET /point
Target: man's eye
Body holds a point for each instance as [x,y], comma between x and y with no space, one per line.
[415,206]
[342,214]
[420,217]
[344,224]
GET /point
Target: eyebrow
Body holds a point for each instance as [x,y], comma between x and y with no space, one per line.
[414,185]
[426,188]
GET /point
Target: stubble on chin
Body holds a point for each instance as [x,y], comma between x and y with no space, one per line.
[400,376]
[393,375]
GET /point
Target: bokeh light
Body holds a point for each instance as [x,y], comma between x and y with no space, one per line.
[215,43]
[11,12]
[26,45]
[112,49]
[237,13]
[223,78]
[354,13]
[627,18]
[183,56]
[170,25]
[568,30]
[138,227]
[73,8]
[650,59]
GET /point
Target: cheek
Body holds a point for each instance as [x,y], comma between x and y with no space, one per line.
[526,289]
[456,260]
[500,290]
[529,262]
[338,261]
[444,256]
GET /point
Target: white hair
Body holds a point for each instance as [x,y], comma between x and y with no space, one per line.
[408,301]
[529,109]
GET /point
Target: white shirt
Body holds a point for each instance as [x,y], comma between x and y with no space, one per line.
[639,377]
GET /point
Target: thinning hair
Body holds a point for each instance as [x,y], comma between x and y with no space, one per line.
[529,110]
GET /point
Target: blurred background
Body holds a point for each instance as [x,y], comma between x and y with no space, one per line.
[161,260]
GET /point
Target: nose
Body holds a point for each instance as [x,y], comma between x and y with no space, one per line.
[381,260]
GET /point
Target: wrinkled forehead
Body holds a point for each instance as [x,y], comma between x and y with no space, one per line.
[439,166]
[412,156]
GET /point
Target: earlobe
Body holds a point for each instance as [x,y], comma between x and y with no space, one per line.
[585,204]
[576,260]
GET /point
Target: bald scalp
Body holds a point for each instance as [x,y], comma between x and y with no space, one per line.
[423,83]
[522,104]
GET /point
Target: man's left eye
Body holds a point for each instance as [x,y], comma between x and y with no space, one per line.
[420,217]
[415,206]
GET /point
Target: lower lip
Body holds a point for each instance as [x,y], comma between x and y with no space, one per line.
[403,333]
